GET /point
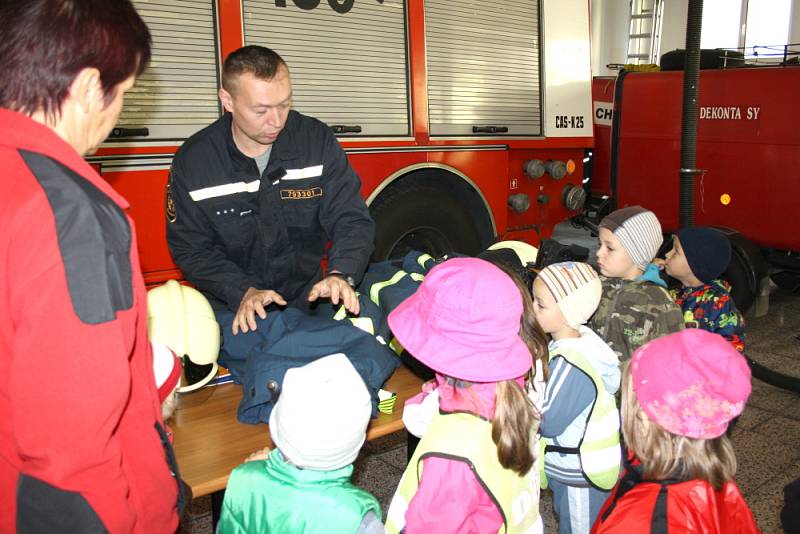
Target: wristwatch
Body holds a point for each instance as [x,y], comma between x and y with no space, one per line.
[346,277]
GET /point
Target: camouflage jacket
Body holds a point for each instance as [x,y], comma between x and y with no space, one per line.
[633,312]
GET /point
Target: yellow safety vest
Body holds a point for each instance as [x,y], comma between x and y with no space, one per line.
[599,449]
[467,438]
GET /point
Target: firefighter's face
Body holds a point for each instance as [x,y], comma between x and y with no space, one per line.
[677,266]
[259,107]
[546,310]
[612,258]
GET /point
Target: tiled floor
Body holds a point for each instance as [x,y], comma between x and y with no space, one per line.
[766,438]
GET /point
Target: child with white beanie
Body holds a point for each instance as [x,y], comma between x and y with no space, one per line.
[635,307]
[318,425]
[580,420]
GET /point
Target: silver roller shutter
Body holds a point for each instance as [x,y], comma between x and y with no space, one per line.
[347,69]
[177,94]
[483,66]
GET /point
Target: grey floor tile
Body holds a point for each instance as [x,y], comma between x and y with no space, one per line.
[783,430]
[396,457]
[759,458]
[377,477]
[774,399]
[775,357]
[767,502]
[387,442]
[752,416]
[547,512]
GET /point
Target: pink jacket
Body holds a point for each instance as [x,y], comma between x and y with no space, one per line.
[450,498]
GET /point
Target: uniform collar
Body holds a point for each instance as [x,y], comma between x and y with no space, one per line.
[283,149]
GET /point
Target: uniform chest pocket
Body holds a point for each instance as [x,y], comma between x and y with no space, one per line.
[233,219]
[300,203]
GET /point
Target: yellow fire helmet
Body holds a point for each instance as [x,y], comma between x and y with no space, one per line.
[181,318]
[527,253]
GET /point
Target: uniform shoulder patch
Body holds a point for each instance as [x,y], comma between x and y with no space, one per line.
[172,215]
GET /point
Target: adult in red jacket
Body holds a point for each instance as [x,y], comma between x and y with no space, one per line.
[82,447]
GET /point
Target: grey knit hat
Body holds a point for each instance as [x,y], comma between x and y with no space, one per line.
[639,232]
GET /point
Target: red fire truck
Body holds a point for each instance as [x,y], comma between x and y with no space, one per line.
[467,121]
[748,146]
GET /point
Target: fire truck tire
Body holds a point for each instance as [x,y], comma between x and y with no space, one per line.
[746,270]
[421,217]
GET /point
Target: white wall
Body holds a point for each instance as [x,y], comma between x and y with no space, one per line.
[610,30]
[673,25]
[609,34]
[794,27]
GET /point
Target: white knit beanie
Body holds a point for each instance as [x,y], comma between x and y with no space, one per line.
[320,419]
[575,287]
[639,232]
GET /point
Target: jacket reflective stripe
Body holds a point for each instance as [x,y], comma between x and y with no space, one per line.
[375,290]
[299,174]
[224,190]
[422,258]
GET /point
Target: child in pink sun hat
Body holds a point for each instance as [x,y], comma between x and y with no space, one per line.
[473,468]
[679,393]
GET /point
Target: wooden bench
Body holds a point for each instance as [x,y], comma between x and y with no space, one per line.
[210,442]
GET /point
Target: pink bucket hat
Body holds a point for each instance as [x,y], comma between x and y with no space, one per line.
[464,322]
[691,383]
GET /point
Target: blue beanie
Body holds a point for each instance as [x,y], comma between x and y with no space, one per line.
[707,251]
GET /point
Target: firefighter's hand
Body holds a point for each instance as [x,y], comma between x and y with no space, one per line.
[254,302]
[336,289]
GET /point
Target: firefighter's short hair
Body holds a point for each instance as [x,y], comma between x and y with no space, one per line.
[260,61]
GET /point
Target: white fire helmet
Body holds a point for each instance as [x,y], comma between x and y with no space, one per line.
[181,318]
[526,253]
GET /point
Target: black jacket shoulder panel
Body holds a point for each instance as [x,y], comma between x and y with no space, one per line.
[43,508]
[94,238]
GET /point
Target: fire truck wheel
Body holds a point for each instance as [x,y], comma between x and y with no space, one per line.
[746,270]
[419,217]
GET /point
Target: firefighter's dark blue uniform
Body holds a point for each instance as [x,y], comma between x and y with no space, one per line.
[230,228]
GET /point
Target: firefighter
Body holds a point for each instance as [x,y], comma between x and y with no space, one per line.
[82,442]
[253,199]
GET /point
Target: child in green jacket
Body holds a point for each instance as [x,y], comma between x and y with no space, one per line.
[303,486]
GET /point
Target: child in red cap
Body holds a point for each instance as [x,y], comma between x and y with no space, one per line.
[473,470]
[679,393]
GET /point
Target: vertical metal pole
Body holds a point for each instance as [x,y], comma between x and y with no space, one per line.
[691,83]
